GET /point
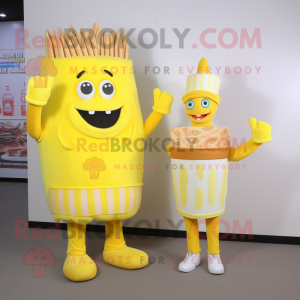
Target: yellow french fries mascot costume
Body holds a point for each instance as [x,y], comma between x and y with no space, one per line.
[200,192]
[87,122]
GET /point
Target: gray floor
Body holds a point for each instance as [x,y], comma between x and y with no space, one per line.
[273,272]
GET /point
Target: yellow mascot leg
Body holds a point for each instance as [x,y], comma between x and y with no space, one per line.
[212,231]
[117,253]
[78,265]
[192,235]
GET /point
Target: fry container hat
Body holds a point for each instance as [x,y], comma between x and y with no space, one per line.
[203,84]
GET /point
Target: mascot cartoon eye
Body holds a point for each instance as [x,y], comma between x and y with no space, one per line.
[205,103]
[106,89]
[190,104]
[85,90]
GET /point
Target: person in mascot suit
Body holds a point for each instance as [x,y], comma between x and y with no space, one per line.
[86,117]
[201,102]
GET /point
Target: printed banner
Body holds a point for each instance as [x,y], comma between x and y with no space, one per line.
[12,83]
[13,144]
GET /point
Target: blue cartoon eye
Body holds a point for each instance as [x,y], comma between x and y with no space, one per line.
[205,103]
[190,104]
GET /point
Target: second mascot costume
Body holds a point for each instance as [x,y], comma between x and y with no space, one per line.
[201,102]
[85,119]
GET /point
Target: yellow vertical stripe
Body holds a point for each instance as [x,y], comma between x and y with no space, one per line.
[209,83]
[50,202]
[215,80]
[175,187]
[104,203]
[194,82]
[66,202]
[127,197]
[57,202]
[77,200]
[135,198]
[212,183]
[202,82]
[188,84]
[199,198]
[140,193]
[91,202]
[223,187]
[183,182]
[218,86]
[116,195]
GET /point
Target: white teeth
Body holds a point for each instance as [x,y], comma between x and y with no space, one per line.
[198,116]
[198,119]
[108,112]
[91,112]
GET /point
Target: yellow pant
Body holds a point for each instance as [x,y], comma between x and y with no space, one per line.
[192,235]
[114,238]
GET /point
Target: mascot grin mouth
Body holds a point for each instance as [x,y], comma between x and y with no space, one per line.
[100,119]
[199,117]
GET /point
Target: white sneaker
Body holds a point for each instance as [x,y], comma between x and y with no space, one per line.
[190,262]
[215,265]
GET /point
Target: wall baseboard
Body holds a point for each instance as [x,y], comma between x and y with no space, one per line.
[255,238]
[11,179]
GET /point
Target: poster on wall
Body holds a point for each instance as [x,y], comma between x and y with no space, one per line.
[13,130]
[12,86]
[13,144]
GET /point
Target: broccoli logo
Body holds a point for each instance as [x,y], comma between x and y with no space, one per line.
[94,165]
[40,68]
[39,258]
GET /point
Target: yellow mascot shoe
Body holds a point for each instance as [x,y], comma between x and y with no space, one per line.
[126,258]
[79,268]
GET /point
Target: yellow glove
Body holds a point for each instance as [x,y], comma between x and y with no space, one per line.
[162,102]
[261,131]
[39,90]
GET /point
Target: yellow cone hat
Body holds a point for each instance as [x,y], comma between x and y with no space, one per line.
[203,84]
[203,66]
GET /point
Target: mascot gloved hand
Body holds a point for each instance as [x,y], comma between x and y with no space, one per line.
[261,131]
[38,93]
[162,106]
[162,102]
[39,90]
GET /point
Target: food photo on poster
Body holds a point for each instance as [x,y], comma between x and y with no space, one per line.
[13,144]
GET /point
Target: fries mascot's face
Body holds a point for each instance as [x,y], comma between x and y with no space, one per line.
[97,95]
[201,111]
[100,103]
